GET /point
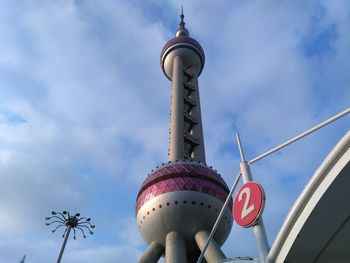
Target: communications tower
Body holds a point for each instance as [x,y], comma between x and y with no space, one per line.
[179,201]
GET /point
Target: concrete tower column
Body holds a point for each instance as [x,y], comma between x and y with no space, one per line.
[176,147]
[213,254]
[152,254]
[175,248]
[199,151]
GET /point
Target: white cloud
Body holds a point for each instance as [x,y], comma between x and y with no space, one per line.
[84,109]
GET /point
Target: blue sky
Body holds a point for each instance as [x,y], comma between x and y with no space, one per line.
[84,109]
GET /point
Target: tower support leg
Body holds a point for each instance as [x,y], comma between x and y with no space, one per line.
[152,254]
[213,254]
[175,248]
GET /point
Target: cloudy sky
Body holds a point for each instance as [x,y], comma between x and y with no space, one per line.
[84,109]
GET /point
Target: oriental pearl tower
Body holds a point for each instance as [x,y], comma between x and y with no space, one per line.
[180,200]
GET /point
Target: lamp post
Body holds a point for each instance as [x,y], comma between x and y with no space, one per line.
[70,222]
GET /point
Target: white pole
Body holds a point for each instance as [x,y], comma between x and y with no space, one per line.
[296,138]
[258,227]
[218,220]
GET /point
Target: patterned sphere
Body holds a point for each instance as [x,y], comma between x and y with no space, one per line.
[186,197]
[186,47]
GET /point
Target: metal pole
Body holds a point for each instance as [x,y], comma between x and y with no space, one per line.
[218,220]
[258,228]
[64,244]
[296,138]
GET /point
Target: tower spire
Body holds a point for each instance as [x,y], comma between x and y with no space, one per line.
[182,23]
[182,31]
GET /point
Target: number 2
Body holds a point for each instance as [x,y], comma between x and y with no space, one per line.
[246,210]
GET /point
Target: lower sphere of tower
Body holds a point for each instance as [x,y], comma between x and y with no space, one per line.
[185,212]
[185,198]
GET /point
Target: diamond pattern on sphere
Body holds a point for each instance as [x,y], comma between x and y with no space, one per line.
[181,184]
[178,168]
[182,177]
[162,183]
[183,169]
[177,181]
[171,170]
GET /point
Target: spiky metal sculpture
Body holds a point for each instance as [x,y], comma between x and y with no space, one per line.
[65,219]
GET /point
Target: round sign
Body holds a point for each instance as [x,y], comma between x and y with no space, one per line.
[249,204]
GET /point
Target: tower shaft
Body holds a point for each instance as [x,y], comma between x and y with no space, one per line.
[186,131]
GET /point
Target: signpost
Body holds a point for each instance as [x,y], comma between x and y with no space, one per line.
[248,204]
[257,223]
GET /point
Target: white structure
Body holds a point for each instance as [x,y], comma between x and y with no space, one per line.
[317,229]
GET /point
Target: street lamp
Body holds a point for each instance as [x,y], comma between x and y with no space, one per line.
[69,222]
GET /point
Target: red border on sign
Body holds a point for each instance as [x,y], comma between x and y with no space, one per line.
[248,204]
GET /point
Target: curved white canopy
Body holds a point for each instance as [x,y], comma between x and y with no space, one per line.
[317,229]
